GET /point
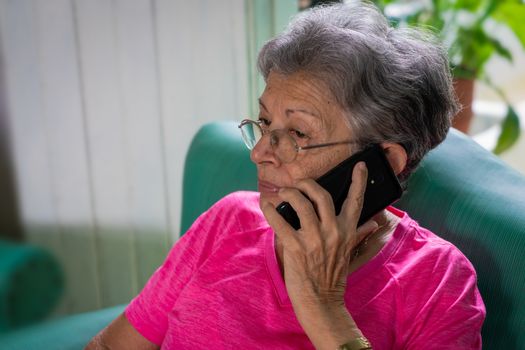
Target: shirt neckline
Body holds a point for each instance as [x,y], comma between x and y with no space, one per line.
[377,261]
[274,271]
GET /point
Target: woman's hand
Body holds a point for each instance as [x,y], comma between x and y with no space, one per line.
[316,257]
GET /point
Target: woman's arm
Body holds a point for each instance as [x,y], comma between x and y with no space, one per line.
[148,312]
[316,258]
[120,334]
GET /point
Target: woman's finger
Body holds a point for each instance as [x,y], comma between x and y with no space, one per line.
[285,232]
[353,204]
[302,206]
[321,199]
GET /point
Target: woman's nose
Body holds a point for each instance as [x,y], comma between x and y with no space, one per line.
[263,151]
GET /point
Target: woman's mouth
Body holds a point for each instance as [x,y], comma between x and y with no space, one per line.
[267,187]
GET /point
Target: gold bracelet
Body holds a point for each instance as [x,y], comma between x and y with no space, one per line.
[359,343]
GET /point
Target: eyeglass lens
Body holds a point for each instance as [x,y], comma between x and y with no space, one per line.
[251,133]
[282,144]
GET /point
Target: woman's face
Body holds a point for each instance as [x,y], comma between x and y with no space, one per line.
[307,111]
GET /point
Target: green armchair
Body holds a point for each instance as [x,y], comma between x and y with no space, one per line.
[460,191]
[31,282]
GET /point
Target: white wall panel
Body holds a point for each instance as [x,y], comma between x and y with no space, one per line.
[136,42]
[203,76]
[140,94]
[106,128]
[62,109]
[104,97]
[106,131]
[28,130]
[24,105]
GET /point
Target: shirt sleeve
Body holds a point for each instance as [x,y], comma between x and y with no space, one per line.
[443,304]
[148,312]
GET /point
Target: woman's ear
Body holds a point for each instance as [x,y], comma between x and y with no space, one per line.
[396,155]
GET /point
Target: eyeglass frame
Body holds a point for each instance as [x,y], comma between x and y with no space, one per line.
[297,147]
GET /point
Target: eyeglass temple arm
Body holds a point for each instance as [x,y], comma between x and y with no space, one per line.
[325,144]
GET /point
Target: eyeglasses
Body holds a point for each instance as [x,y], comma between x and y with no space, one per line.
[283,144]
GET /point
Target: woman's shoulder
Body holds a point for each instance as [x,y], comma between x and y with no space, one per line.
[435,247]
[239,210]
[425,255]
[240,203]
[437,287]
[240,199]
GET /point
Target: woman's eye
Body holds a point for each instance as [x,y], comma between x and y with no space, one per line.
[298,134]
[264,122]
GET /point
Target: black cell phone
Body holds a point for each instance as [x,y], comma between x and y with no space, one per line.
[382,188]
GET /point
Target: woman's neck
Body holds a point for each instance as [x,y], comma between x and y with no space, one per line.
[373,244]
[376,241]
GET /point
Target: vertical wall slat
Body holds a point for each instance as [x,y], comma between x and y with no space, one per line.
[238,41]
[30,145]
[140,94]
[108,146]
[105,98]
[63,112]
[259,28]
[175,55]
[202,60]
[283,11]
[264,19]
[213,62]
[24,103]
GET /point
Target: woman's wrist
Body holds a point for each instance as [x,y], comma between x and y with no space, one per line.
[328,326]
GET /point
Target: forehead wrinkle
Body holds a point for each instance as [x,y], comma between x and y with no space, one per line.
[321,128]
[305,95]
[329,125]
[289,111]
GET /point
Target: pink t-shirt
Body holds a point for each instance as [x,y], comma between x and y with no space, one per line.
[220,287]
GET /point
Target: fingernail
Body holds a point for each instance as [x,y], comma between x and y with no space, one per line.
[361,165]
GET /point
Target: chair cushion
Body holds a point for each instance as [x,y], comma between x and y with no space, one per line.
[31,282]
[460,191]
[217,163]
[69,333]
[470,197]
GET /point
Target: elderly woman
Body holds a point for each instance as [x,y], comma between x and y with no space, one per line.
[243,278]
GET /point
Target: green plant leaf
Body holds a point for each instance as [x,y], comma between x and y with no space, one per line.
[490,7]
[513,15]
[471,50]
[501,50]
[471,5]
[461,73]
[510,131]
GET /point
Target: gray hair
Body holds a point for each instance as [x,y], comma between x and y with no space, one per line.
[394,84]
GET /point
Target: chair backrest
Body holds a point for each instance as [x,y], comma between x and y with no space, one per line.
[472,199]
[461,192]
[217,163]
